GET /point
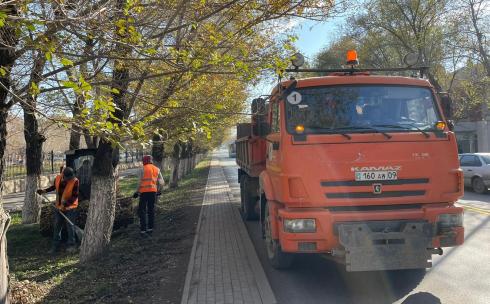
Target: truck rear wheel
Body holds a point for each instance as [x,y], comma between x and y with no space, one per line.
[278,258]
[248,199]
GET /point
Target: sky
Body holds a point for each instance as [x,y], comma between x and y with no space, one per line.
[312,37]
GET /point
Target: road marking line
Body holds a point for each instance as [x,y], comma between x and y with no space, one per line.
[476,209]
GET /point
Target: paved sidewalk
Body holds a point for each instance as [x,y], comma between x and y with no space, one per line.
[223,267]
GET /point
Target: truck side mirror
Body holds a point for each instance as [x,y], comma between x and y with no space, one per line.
[259,107]
[446,104]
[450,125]
[259,115]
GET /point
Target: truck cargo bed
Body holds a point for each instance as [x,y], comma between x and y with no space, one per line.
[250,151]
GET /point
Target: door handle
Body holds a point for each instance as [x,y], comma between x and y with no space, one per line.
[469,170]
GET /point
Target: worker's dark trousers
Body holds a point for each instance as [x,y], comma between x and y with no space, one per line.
[147,208]
[59,223]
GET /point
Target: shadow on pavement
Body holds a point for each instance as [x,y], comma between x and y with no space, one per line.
[422,298]
[314,279]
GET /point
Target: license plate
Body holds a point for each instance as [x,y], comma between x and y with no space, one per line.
[376,175]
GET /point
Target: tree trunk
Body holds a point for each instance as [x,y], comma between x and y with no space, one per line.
[189,157]
[34,143]
[4,265]
[158,152]
[8,42]
[480,37]
[101,213]
[31,210]
[100,218]
[74,138]
[76,130]
[34,147]
[91,141]
[183,162]
[4,217]
[34,139]
[174,180]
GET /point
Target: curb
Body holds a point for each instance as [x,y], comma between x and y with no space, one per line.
[265,290]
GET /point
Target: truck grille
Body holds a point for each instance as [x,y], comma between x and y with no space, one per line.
[353,183]
[373,195]
[374,207]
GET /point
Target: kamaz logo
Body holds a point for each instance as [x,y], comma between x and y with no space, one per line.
[380,168]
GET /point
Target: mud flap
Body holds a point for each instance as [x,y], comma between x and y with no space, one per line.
[386,245]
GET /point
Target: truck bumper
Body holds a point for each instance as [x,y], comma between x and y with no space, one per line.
[367,248]
[374,240]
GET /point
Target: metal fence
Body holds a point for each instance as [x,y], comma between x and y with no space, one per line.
[131,156]
[15,164]
[52,161]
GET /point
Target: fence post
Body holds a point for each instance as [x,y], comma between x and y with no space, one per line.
[52,161]
[7,165]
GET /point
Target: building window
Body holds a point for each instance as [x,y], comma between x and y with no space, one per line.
[467,142]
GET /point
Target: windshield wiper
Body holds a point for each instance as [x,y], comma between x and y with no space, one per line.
[427,135]
[326,129]
[370,128]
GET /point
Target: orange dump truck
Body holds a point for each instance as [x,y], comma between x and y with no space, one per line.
[362,168]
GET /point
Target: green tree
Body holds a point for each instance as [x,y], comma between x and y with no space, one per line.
[8,43]
[390,30]
[126,69]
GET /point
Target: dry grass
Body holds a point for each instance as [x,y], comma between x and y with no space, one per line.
[133,270]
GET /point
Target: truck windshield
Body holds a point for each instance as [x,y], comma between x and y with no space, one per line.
[361,109]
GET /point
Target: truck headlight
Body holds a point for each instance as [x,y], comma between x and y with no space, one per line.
[445,221]
[299,225]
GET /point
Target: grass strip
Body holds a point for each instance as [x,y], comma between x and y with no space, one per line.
[133,270]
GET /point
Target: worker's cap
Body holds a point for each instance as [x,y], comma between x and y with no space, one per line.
[147,159]
[68,173]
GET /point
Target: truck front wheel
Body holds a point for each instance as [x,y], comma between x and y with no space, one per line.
[278,258]
[248,200]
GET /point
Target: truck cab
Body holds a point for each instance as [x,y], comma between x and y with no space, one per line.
[358,167]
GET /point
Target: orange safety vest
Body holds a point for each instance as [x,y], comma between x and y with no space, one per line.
[149,179]
[66,193]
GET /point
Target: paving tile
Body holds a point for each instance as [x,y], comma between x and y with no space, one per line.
[224,267]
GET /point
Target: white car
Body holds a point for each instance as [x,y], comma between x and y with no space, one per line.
[476,168]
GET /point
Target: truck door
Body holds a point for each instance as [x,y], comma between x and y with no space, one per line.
[273,140]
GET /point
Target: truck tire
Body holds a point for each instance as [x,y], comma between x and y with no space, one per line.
[277,258]
[248,200]
[478,185]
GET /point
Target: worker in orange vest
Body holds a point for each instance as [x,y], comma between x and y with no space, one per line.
[66,186]
[151,184]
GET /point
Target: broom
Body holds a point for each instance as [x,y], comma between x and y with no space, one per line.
[78,231]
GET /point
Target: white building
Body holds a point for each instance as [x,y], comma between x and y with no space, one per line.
[473,136]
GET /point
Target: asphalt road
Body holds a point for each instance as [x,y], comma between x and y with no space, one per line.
[461,275]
